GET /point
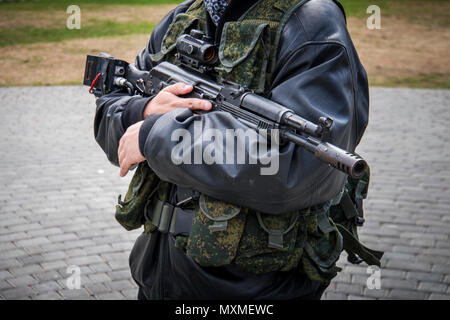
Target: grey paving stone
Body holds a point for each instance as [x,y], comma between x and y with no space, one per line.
[52,295]
[407,294]
[5,285]
[388,283]
[432,259]
[84,260]
[408,265]
[110,296]
[17,293]
[349,289]
[100,267]
[75,252]
[7,246]
[48,275]
[352,297]
[425,276]
[54,265]
[75,294]
[4,274]
[9,263]
[55,255]
[120,274]
[99,278]
[31,259]
[46,286]
[32,242]
[335,296]
[433,287]
[447,279]
[441,268]
[99,249]
[52,216]
[22,281]
[26,270]
[118,264]
[62,237]
[130,294]
[121,285]
[437,296]
[13,236]
[97,288]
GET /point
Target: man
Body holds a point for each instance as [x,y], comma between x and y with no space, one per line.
[279,242]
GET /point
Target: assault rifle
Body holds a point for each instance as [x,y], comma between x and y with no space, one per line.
[198,56]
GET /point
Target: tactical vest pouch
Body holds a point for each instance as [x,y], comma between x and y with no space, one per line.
[130,211]
[244,53]
[271,243]
[215,233]
[323,247]
[193,18]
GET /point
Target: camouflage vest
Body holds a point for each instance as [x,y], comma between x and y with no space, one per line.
[222,233]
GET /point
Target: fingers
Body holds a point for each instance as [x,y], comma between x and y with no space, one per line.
[128,151]
[124,163]
[121,154]
[192,103]
[179,89]
[124,168]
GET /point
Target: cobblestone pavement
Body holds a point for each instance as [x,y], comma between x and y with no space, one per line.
[57,192]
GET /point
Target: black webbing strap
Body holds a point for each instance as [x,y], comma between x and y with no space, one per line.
[169,218]
[347,206]
[354,246]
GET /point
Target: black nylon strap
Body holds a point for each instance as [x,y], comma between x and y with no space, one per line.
[354,246]
[347,206]
[181,222]
[170,219]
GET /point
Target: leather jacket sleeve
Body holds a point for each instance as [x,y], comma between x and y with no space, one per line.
[117,111]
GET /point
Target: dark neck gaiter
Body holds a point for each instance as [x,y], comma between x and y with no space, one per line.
[215,8]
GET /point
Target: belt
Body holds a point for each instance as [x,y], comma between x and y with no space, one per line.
[168,218]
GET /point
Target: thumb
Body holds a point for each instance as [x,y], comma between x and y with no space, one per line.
[179,88]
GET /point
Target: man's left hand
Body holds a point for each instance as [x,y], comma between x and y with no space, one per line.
[129,152]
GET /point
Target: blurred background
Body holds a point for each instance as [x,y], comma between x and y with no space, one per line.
[410,50]
[58,190]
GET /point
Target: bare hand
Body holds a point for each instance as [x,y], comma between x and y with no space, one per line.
[129,152]
[166,100]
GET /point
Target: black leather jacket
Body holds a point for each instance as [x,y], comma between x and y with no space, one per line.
[318,73]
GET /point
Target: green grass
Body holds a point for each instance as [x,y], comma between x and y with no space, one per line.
[358,8]
[416,11]
[37,5]
[14,35]
[25,35]
[430,13]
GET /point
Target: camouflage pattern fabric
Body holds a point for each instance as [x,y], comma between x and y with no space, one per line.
[130,211]
[243,53]
[323,248]
[211,248]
